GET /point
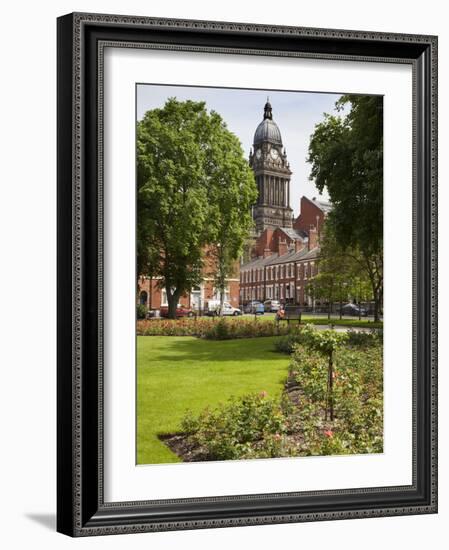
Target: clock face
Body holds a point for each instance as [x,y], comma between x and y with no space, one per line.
[258,153]
[274,153]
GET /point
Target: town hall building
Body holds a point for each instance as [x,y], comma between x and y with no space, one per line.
[285,251]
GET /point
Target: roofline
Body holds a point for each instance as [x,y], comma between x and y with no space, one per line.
[315,204]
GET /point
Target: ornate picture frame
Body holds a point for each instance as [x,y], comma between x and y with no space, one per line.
[81,507]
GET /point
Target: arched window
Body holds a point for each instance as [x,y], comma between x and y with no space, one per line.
[143,298]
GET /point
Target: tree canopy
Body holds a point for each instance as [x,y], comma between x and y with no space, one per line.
[342,272]
[346,153]
[195,190]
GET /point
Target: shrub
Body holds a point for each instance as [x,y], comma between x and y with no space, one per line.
[364,339]
[256,426]
[358,400]
[174,327]
[287,343]
[219,331]
[141,311]
[210,328]
[252,426]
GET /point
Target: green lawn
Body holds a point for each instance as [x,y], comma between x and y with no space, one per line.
[179,373]
[323,320]
[363,322]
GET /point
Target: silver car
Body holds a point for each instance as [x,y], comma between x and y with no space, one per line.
[272,305]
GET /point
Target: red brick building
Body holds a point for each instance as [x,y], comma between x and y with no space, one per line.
[153,296]
[284,259]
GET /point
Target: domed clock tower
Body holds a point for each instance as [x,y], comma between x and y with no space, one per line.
[272,172]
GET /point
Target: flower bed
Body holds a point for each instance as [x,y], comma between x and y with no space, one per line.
[210,328]
[298,424]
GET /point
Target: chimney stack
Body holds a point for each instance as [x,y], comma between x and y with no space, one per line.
[266,252]
[299,245]
[313,237]
[282,247]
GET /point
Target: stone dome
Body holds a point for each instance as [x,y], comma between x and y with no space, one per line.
[268,130]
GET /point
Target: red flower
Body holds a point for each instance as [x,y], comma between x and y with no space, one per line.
[328,433]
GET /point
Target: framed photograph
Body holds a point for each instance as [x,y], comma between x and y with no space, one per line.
[247,279]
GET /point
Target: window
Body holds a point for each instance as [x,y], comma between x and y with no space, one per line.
[164,297]
[227,295]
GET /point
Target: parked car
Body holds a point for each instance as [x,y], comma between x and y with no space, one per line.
[354,309]
[231,310]
[181,311]
[272,305]
[255,307]
[213,308]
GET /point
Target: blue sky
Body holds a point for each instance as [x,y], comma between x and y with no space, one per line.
[296,114]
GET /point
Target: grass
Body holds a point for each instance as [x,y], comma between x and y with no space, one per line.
[323,320]
[367,323]
[179,373]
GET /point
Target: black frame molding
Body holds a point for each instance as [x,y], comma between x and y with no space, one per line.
[81,510]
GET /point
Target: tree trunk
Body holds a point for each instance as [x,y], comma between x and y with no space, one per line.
[377,303]
[376,307]
[221,301]
[172,299]
[341,305]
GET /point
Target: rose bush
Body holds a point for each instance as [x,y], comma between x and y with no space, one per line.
[249,427]
[256,426]
[210,328]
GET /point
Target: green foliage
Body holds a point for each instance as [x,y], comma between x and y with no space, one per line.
[366,323]
[287,343]
[346,153]
[358,423]
[323,341]
[342,273]
[189,166]
[210,328]
[219,331]
[364,339]
[141,311]
[253,426]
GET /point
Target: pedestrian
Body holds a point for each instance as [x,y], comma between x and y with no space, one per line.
[280,314]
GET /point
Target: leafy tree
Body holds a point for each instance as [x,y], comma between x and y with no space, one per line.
[342,272]
[346,153]
[185,155]
[232,191]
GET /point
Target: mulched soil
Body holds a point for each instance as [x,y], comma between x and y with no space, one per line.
[179,444]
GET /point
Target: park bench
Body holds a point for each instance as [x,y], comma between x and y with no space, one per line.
[292,313]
